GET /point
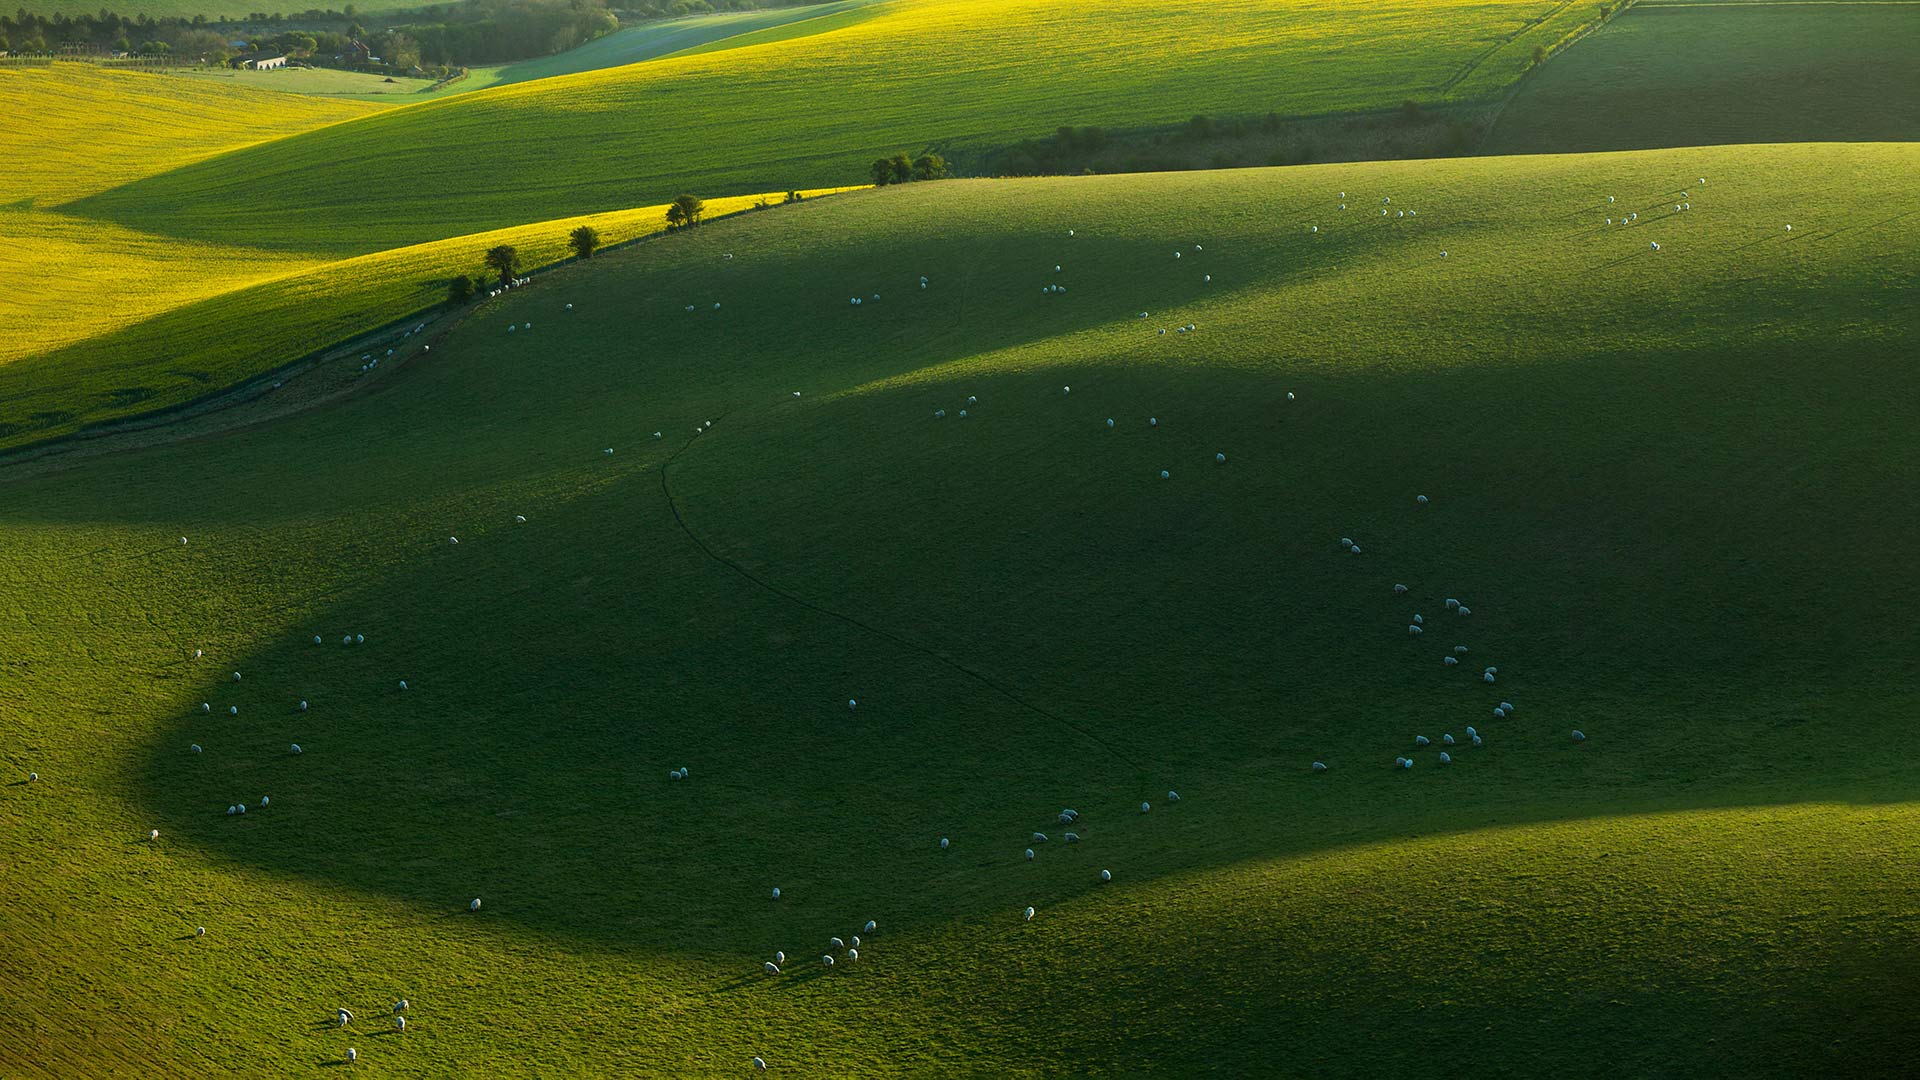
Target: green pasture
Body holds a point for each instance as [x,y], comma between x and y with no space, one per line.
[1690,74]
[1673,486]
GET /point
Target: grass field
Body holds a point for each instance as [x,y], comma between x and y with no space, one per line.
[1678,507]
[324,82]
[1667,74]
[189,331]
[650,41]
[814,110]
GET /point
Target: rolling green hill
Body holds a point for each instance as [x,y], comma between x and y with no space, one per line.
[1677,507]
[1693,73]
[814,110]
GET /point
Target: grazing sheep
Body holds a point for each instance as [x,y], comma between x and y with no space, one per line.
[1460,649]
[206,707]
[242,807]
[770,968]
[263,801]
[826,959]
[1165,475]
[1221,458]
[474,905]
[1066,390]
[1486,676]
[1446,739]
[199,931]
[296,748]
[1029,854]
[1106,875]
[303,706]
[1421,740]
[1452,604]
[1406,763]
[1579,736]
[1399,762]
[33,778]
[1413,629]
[1421,499]
[1476,740]
[1319,766]
[1039,838]
[1399,590]
[1173,796]
[346,639]
[1470,730]
[1507,705]
[1464,609]
[776,892]
[343,1016]
[779,957]
[972,400]
[196,748]
[870,927]
[236,676]
[1446,758]
[1029,915]
[1144,807]
[1499,714]
[1449,661]
[316,639]
[760,1063]
[1789,229]
[853,955]
[1655,245]
[400,1023]
[233,710]
[1109,421]
[232,809]
[1346,541]
[1419,621]
[453,540]
[943,843]
[1072,838]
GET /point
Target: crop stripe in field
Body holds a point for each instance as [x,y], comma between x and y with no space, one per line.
[1475,63]
[983,679]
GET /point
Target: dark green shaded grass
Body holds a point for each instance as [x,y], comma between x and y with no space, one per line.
[1673,491]
[1701,74]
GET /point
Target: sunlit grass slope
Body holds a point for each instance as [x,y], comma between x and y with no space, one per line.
[1690,74]
[1674,487]
[198,318]
[649,41]
[76,129]
[815,110]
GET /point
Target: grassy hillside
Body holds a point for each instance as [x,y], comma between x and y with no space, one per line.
[1687,74]
[815,110]
[95,129]
[190,331]
[648,41]
[1678,509]
[324,82]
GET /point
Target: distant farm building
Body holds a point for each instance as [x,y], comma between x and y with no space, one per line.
[260,61]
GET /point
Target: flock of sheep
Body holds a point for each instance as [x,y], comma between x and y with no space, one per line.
[848,950]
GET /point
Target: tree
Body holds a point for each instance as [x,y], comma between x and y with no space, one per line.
[1539,55]
[583,240]
[882,172]
[929,167]
[902,168]
[676,217]
[459,290]
[506,260]
[690,207]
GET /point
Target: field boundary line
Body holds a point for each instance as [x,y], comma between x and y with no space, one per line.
[666,489]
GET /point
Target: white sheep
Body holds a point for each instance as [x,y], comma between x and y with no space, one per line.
[1476,740]
[826,959]
[1446,739]
[1106,875]
[1507,705]
[1446,758]
[1144,807]
[1109,421]
[1486,676]
[1419,621]
[770,968]
[1029,854]
[296,748]
[233,710]
[779,957]
[236,676]
[474,904]
[453,540]
[1399,590]
[1460,649]
[1066,390]
[1072,838]
[196,748]
[1464,609]
[1165,475]
[871,926]
[1421,499]
[760,1063]
[1319,766]
[1452,604]
[1655,245]
[776,892]
[1499,713]
[1153,421]
[1448,661]
[1039,838]
[1221,458]
[316,639]
[263,801]
[206,707]
[943,843]
[853,955]
[401,1005]
[1421,740]
[1406,763]
[403,684]
[199,931]
[1029,915]
[303,706]
[1414,630]
[352,1055]
[1579,736]
[1173,796]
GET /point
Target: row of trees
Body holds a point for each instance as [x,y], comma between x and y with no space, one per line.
[504,260]
[899,169]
